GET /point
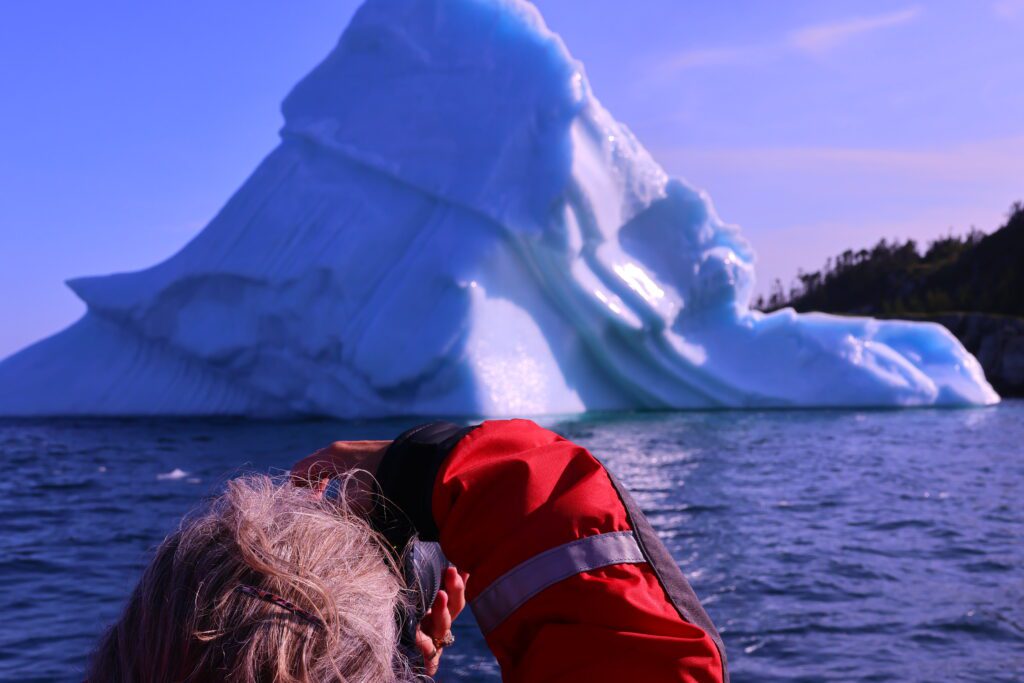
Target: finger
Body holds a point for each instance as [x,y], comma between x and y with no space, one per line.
[431,655]
[300,472]
[325,462]
[438,620]
[433,623]
[456,589]
[313,468]
[444,617]
[337,458]
[359,487]
[424,644]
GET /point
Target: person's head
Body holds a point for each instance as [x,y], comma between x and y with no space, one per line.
[197,614]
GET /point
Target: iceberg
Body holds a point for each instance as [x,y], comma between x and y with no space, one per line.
[453,224]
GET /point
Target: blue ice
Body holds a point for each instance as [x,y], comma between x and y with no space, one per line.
[452,223]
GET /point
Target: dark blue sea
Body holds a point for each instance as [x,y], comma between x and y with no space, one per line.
[827,545]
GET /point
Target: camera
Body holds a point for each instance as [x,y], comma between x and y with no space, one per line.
[423,566]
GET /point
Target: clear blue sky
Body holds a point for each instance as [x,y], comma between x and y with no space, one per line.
[816,125]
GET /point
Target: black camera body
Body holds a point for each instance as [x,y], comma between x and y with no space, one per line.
[423,567]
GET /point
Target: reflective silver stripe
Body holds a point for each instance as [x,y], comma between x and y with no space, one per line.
[515,587]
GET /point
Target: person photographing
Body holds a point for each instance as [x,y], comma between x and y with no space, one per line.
[335,577]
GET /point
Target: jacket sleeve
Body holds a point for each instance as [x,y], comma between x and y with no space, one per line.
[567,579]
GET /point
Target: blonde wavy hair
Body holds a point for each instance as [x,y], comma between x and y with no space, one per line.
[186,622]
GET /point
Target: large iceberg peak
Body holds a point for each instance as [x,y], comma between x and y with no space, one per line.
[452,223]
[470,101]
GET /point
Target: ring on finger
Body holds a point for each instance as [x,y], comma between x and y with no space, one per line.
[445,641]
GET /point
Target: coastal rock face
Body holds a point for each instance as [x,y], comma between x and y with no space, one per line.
[452,223]
[998,343]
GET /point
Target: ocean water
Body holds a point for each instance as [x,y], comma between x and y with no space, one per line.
[827,545]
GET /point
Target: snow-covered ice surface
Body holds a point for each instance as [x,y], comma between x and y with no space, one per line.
[453,224]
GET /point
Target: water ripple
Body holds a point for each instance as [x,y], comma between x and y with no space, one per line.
[828,545]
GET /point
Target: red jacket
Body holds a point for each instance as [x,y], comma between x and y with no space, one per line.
[567,579]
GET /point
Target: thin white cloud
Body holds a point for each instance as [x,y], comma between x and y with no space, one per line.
[1002,157]
[1008,9]
[694,59]
[825,37]
[686,60]
[816,39]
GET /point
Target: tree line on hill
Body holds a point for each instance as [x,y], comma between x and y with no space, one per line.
[975,273]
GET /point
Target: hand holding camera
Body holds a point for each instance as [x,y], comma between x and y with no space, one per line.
[438,588]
